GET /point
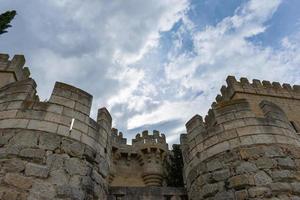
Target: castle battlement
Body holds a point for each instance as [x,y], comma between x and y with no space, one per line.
[257,87]
[261,117]
[61,128]
[14,69]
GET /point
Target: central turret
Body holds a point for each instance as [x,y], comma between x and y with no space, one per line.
[152,152]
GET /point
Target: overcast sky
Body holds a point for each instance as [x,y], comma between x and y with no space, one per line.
[154,63]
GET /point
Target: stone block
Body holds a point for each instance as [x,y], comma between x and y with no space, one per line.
[18,180]
[76,166]
[273,151]
[32,153]
[280,187]
[296,187]
[255,192]
[49,141]
[221,175]
[246,167]
[72,147]
[42,126]
[36,170]
[5,136]
[240,181]
[13,123]
[62,101]
[241,195]
[42,190]
[58,177]
[75,134]
[224,195]
[66,191]
[12,165]
[209,190]
[63,130]
[25,138]
[286,163]
[282,175]
[262,178]
[265,163]
[80,126]
[214,165]
[56,161]
[8,114]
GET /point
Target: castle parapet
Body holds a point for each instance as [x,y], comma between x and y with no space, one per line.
[117,137]
[257,87]
[12,70]
[71,97]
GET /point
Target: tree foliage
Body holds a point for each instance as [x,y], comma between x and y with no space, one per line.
[175,167]
[5,19]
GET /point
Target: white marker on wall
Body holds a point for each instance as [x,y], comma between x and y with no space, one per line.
[72,123]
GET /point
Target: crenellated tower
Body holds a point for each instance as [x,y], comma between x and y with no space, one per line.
[247,146]
[139,164]
[52,149]
[152,153]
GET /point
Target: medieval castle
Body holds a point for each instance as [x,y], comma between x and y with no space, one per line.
[247,147]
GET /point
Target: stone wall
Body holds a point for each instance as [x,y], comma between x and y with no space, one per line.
[240,153]
[43,156]
[147,193]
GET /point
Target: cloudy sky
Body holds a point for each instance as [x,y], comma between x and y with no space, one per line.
[154,63]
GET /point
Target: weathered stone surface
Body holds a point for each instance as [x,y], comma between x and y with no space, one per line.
[265,163]
[25,138]
[241,194]
[280,187]
[221,175]
[49,141]
[246,167]
[259,192]
[76,166]
[12,165]
[58,177]
[56,161]
[18,180]
[72,147]
[262,178]
[285,162]
[103,167]
[32,153]
[36,170]
[66,191]
[42,190]
[240,181]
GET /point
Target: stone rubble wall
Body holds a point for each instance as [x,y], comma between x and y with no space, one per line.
[40,157]
[236,155]
[147,193]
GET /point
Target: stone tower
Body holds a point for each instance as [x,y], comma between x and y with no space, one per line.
[53,149]
[139,164]
[248,146]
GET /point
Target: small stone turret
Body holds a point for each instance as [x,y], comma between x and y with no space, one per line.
[153,150]
[139,164]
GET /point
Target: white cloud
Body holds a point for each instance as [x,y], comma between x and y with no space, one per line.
[219,51]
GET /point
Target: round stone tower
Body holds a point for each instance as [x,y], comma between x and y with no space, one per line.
[245,149]
[152,151]
[52,149]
